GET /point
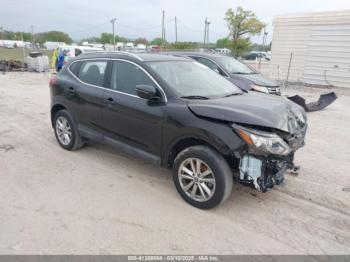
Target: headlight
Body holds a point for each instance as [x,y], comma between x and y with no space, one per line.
[259,141]
[262,89]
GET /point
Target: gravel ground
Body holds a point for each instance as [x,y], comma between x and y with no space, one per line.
[97,201]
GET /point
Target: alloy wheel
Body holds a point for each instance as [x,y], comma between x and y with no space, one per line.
[63,130]
[196,179]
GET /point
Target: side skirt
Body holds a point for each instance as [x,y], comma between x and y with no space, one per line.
[120,146]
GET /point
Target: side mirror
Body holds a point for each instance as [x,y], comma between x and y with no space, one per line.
[147,92]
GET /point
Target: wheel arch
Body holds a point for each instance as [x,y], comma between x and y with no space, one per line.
[187,141]
[54,110]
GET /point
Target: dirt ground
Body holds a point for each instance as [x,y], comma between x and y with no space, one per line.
[97,201]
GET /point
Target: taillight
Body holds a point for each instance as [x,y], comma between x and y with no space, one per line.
[53,80]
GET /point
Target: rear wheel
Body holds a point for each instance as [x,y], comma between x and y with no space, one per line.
[66,131]
[202,177]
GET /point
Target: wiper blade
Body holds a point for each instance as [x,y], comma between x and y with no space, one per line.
[233,94]
[243,73]
[195,97]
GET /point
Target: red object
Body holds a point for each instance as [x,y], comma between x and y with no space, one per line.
[53,80]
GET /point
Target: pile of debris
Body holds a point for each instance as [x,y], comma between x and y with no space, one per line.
[12,65]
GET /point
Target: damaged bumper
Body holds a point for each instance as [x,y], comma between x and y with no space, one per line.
[264,173]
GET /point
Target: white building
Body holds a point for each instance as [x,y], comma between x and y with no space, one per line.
[319,44]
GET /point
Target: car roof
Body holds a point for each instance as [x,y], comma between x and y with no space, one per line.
[192,53]
[143,57]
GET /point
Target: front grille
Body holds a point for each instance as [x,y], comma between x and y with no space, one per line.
[274,90]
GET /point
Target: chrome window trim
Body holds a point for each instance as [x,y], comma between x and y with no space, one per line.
[105,88]
[226,74]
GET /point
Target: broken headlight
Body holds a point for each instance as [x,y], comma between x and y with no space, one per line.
[262,89]
[260,141]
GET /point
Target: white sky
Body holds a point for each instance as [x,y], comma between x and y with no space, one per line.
[83,18]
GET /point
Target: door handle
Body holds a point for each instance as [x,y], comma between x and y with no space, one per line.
[109,100]
[71,90]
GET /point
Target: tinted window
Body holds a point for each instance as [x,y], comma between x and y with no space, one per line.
[74,68]
[234,66]
[92,72]
[126,76]
[78,52]
[208,63]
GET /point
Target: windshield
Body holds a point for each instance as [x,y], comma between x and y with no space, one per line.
[192,79]
[233,66]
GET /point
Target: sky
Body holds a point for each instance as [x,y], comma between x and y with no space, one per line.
[143,18]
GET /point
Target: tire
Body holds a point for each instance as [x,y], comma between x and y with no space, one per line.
[219,182]
[75,142]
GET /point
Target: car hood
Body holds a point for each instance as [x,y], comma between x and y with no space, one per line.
[256,79]
[253,108]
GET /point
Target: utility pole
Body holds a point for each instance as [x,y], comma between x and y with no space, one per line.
[175,30]
[113,21]
[205,30]
[163,29]
[208,23]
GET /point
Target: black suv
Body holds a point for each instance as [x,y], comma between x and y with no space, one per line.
[237,72]
[179,114]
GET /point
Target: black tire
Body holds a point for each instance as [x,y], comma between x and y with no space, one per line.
[76,141]
[219,167]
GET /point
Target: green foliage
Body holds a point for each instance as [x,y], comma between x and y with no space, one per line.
[157,41]
[184,45]
[92,39]
[141,41]
[107,38]
[10,35]
[224,43]
[55,36]
[241,46]
[241,23]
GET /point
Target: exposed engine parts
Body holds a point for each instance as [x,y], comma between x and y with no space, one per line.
[263,174]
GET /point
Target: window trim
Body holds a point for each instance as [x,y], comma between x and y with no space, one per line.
[83,60]
[224,71]
[106,88]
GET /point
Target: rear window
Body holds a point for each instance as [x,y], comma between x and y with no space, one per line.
[92,72]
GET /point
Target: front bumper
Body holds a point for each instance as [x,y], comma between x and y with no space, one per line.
[263,173]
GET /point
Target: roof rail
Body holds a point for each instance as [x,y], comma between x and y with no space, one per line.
[116,52]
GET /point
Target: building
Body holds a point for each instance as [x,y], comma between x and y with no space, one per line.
[318,46]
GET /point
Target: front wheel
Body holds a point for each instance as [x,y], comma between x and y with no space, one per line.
[202,177]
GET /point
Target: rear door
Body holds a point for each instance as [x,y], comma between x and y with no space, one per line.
[86,93]
[127,117]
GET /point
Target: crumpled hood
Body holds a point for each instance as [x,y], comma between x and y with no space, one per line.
[251,108]
[256,79]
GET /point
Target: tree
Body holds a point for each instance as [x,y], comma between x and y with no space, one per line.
[92,39]
[184,45]
[157,41]
[241,23]
[224,43]
[55,36]
[106,38]
[141,40]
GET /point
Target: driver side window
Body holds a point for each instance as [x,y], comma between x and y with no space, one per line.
[126,76]
[208,63]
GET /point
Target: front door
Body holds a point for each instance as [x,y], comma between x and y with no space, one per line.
[129,118]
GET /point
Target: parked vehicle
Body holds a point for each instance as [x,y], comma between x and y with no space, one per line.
[237,72]
[254,55]
[248,79]
[178,114]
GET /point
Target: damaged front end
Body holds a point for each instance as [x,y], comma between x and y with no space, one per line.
[269,154]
